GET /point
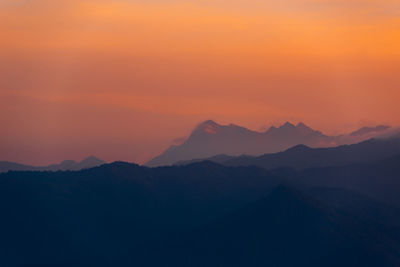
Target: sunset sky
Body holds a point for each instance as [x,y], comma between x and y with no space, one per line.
[121,79]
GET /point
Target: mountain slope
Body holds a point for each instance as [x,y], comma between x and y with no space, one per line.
[6,166]
[201,214]
[287,228]
[66,165]
[209,139]
[95,217]
[303,157]
[379,180]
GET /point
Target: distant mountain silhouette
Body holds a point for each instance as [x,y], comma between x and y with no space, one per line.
[6,166]
[66,165]
[303,157]
[210,139]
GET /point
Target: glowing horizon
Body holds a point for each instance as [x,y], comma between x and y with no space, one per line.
[122,79]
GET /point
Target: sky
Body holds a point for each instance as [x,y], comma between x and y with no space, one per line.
[122,79]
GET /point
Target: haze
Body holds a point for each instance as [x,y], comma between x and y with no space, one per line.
[122,79]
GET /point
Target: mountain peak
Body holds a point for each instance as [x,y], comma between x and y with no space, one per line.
[209,122]
[287,125]
[208,126]
[290,126]
[302,125]
[210,138]
[92,160]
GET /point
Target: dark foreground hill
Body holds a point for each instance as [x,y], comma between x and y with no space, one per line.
[202,214]
[379,180]
[101,213]
[287,228]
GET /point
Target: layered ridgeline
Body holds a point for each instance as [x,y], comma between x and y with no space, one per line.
[202,214]
[66,165]
[210,138]
[303,157]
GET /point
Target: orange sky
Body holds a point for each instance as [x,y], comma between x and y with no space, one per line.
[122,79]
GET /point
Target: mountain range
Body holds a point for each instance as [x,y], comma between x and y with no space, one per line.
[303,157]
[66,165]
[210,139]
[303,206]
[204,214]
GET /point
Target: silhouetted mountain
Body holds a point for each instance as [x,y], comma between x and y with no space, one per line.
[303,157]
[201,214]
[6,166]
[217,159]
[357,204]
[101,213]
[210,138]
[287,228]
[379,180]
[91,161]
[66,165]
